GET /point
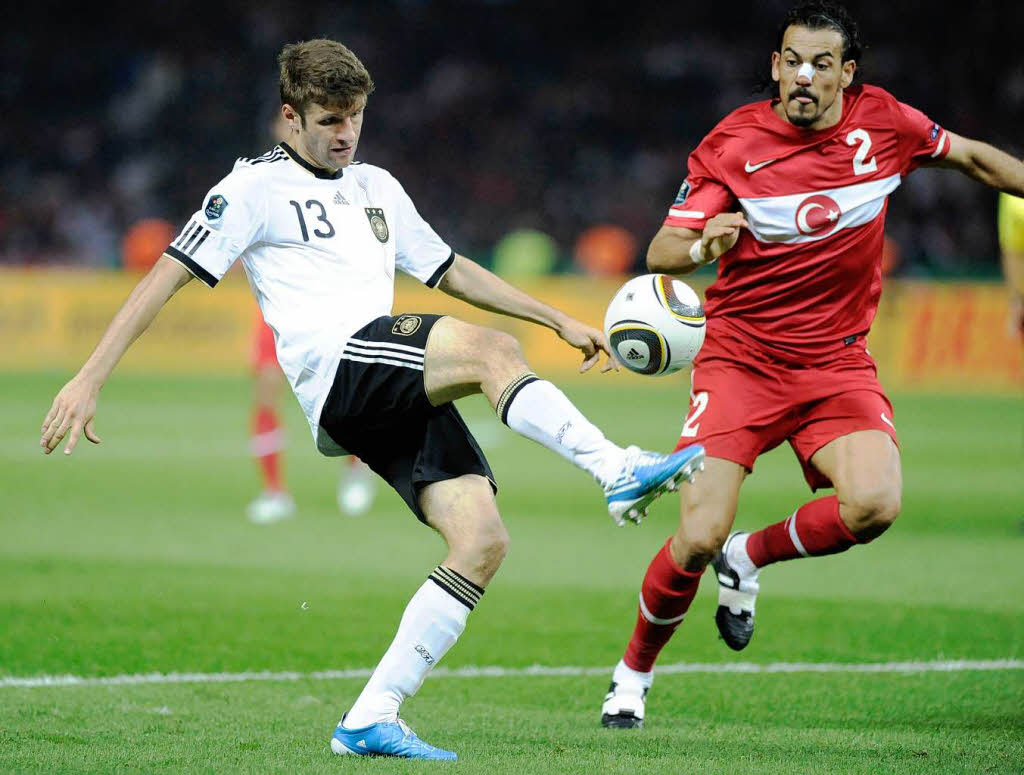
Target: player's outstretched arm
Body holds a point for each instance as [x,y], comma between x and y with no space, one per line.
[676,250]
[985,164]
[72,411]
[469,281]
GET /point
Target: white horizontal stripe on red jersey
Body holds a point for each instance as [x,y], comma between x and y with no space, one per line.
[791,219]
[940,145]
[675,212]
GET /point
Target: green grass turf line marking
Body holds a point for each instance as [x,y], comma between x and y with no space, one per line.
[942,666]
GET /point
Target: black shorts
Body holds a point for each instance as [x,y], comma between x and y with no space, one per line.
[378,410]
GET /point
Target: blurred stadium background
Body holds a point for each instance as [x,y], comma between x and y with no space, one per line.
[547,141]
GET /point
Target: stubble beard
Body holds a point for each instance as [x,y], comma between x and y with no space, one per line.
[803,121]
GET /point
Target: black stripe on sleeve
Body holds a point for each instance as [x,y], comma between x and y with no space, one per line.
[435,278]
[206,233]
[192,266]
[192,226]
[192,239]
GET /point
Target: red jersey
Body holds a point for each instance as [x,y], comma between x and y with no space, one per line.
[805,279]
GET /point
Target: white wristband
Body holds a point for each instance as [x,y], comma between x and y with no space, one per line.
[697,253]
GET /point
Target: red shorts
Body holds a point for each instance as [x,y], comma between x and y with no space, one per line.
[744,402]
[263,353]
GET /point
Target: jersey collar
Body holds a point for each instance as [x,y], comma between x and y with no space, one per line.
[319,172]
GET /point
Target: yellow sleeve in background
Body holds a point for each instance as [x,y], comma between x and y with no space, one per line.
[1011,223]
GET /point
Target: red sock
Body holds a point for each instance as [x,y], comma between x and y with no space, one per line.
[665,596]
[266,443]
[814,529]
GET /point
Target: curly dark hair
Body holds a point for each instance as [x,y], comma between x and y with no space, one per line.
[817,15]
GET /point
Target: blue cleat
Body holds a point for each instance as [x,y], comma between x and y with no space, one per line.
[385,738]
[647,475]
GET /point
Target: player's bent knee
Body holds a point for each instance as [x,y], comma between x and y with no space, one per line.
[482,549]
[702,551]
[501,349]
[693,548]
[494,545]
[869,513]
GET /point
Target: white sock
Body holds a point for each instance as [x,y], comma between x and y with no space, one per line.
[739,559]
[540,411]
[432,622]
[629,678]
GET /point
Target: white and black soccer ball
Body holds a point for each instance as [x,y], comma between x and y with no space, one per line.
[655,324]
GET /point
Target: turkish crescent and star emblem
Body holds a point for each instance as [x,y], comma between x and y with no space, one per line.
[818,215]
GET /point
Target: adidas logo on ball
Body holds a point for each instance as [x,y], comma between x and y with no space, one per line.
[658,315]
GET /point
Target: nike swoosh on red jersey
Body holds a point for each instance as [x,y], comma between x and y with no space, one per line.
[755,167]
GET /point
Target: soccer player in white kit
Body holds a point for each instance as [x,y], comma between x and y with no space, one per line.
[320,237]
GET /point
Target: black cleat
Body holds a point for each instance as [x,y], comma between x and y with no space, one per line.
[622,710]
[736,597]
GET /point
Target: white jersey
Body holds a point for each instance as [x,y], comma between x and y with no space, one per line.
[320,251]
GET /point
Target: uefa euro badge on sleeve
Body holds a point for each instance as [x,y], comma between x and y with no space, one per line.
[215,207]
[377,223]
[684,191]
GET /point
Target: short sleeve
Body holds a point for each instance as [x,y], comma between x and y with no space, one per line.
[230,220]
[702,196]
[921,139]
[419,252]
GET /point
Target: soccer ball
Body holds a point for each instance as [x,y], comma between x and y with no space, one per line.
[655,324]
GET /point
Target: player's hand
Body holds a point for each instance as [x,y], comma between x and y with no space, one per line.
[591,342]
[721,232]
[71,415]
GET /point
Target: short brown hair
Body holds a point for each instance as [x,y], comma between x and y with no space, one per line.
[322,72]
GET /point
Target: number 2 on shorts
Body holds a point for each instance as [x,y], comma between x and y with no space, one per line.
[700,403]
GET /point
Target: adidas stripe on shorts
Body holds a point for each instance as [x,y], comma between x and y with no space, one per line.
[378,410]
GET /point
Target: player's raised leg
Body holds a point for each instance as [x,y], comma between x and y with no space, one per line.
[462,359]
[463,511]
[707,512]
[864,467]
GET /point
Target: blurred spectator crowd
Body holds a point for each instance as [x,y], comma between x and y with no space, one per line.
[496,116]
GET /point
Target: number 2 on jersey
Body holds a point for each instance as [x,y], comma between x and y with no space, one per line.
[862,137]
[322,217]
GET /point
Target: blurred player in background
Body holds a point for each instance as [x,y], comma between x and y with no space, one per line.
[791,195]
[1011,247]
[357,484]
[320,237]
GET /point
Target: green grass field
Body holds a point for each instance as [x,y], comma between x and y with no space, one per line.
[135,557]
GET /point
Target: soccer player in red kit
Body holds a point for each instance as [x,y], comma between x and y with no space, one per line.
[791,195]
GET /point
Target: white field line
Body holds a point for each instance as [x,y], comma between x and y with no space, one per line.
[941,666]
